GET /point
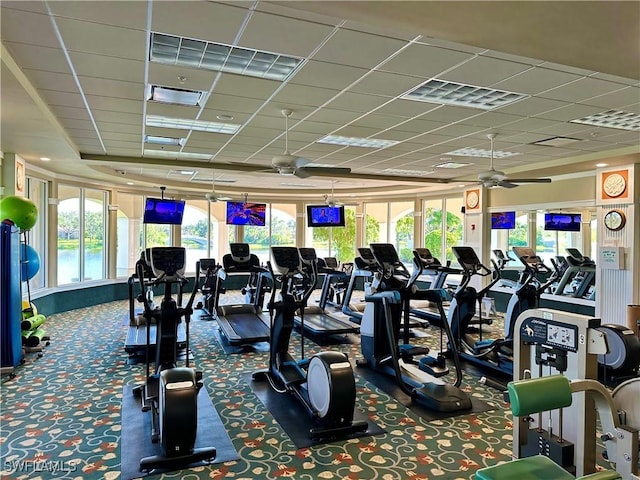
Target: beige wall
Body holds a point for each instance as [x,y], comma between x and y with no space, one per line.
[581,189]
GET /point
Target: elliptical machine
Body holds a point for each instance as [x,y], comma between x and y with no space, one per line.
[380,332]
[324,384]
[170,393]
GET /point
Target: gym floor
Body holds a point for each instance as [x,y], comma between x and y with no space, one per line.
[61,415]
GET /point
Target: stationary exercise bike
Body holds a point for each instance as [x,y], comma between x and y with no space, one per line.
[170,393]
[325,384]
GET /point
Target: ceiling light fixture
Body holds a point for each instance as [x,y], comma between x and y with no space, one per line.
[612,119]
[357,141]
[170,154]
[479,152]
[167,141]
[192,53]
[451,93]
[45,159]
[407,173]
[176,96]
[451,165]
[600,165]
[186,124]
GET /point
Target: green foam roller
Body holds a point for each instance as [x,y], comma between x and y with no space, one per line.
[542,394]
[25,335]
[32,323]
[36,337]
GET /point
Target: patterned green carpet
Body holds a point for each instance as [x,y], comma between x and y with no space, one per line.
[60,417]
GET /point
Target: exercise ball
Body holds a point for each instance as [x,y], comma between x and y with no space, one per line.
[20,211]
[30,262]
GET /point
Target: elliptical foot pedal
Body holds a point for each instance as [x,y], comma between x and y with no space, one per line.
[433,367]
[207,454]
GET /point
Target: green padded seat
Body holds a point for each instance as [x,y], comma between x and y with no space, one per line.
[530,468]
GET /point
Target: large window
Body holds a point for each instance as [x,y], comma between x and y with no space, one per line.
[453,226]
[36,237]
[129,233]
[401,229]
[279,229]
[338,242]
[432,215]
[195,233]
[81,234]
[515,237]
[376,214]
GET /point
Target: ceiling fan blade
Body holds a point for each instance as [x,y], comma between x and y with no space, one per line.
[528,180]
[506,184]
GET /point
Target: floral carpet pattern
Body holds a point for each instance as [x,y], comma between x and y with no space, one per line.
[60,417]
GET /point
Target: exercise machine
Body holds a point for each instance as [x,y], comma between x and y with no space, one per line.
[336,279]
[315,320]
[170,393]
[210,287]
[245,323]
[135,343]
[578,275]
[380,332]
[324,384]
[502,261]
[364,266]
[622,360]
[552,342]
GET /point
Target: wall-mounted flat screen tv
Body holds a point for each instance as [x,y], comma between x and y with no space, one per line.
[163,210]
[503,220]
[246,213]
[564,222]
[325,216]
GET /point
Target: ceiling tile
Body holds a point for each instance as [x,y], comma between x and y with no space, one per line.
[125,14]
[172,111]
[387,84]
[582,89]
[327,75]
[295,37]
[617,99]
[27,27]
[535,80]
[357,102]
[425,61]
[329,115]
[238,106]
[484,71]
[215,21]
[112,88]
[122,69]
[63,99]
[62,82]
[570,112]
[376,120]
[299,95]
[358,49]
[531,106]
[239,85]
[106,126]
[70,112]
[101,39]
[114,104]
[117,117]
[32,57]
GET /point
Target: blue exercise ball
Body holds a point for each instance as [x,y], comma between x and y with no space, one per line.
[30,261]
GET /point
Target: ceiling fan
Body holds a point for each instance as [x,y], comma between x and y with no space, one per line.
[496,178]
[287,164]
[212,196]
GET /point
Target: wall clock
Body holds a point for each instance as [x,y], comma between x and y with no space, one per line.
[472,199]
[614,220]
[614,185]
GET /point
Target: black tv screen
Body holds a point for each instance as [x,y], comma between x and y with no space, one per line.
[162,210]
[503,220]
[564,222]
[246,213]
[325,216]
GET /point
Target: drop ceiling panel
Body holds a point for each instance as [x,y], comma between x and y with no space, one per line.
[63,99]
[70,112]
[121,69]
[212,21]
[357,102]
[295,37]
[114,104]
[536,80]
[80,133]
[240,85]
[358,49]
[299,95]
[62,82]
[31,57]
[448,114]
[425,61]
[532,106]
[483,71]
[121,137]
[35,7]
[618,99]
[327,75]
[104,126]
[112,88]
[491,119]
[582,89]
[418,126]
[117,117]
[376,120]
[329,115]
[168,76]
[167,132]
[101,39]
[405,108]
[216,138]
[125,14]
[27,27]
[570,112]
[387,84]
[239,107]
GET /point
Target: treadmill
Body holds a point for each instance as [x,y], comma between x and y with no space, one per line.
[244,323]
[315,321]
[365,265]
